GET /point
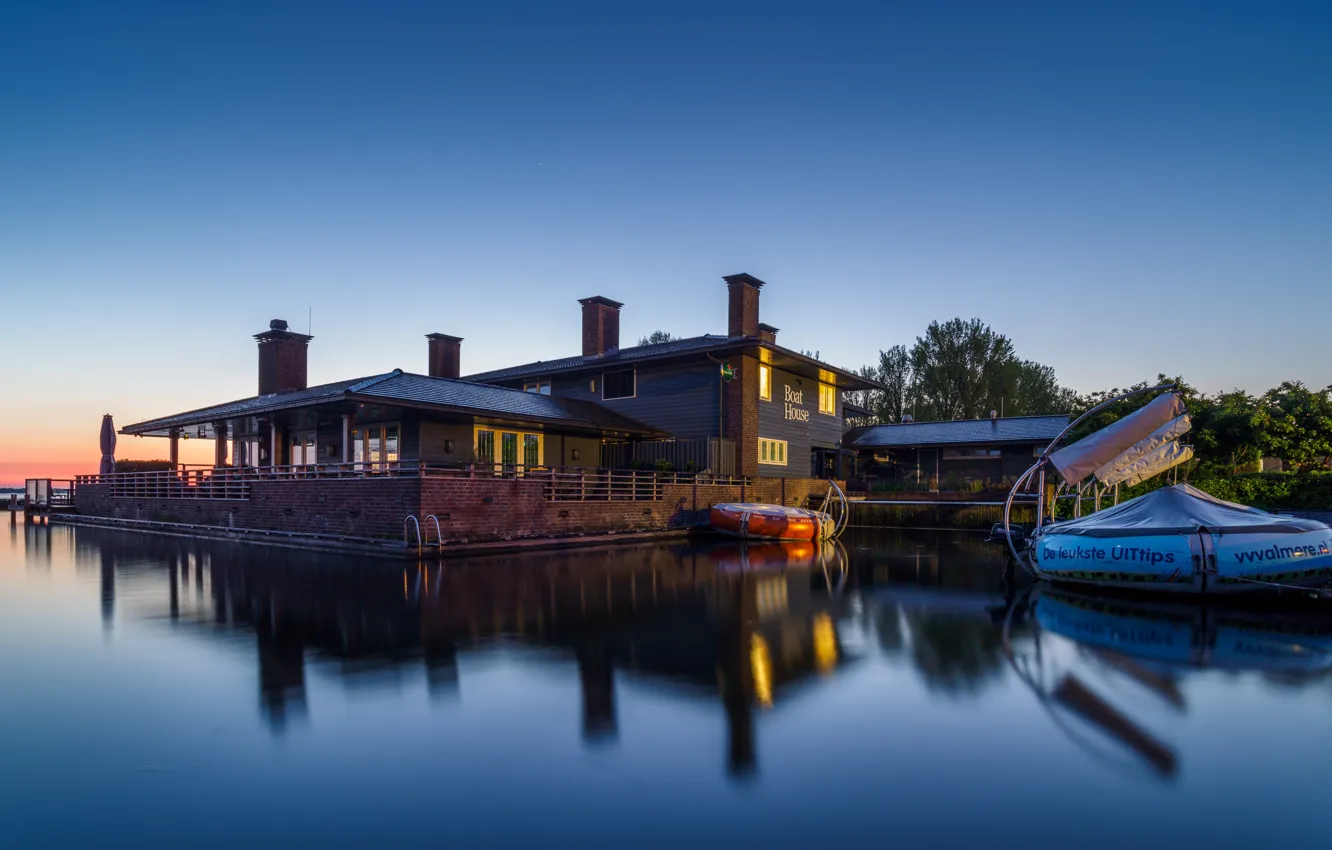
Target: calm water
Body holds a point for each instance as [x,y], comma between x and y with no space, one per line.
[161,693]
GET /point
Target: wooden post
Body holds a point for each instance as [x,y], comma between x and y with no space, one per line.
[220,445]
[347,438]
[174,449]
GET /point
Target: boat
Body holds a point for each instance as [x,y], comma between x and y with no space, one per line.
[758,521]
[1176,539]
[749,520]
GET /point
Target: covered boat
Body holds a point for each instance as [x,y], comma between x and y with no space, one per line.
[1176,539]
[1180,538]
[771,522]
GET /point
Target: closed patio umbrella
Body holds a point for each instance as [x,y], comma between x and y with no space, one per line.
[108,441]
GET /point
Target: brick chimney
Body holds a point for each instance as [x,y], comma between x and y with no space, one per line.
[282,359]
[445,355]
[601,325]
[767,333]
[743,316]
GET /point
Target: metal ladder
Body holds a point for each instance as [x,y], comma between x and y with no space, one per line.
[410,523]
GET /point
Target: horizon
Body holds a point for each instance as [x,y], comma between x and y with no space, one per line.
[1123,190]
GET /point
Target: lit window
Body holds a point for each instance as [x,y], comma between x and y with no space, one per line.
[485,447]
[540,387]
[617,384]
[772,452]
[827,399]
[765,382]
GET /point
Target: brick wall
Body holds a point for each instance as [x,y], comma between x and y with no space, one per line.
[353,507]
[742,414]
[468,509]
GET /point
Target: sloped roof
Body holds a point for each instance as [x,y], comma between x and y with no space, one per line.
[1015,429]
[405,389]
[254,405]
[496,401]
[708,343]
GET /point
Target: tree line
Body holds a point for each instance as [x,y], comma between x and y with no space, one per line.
[1232,431]
[963,369]
[959,369]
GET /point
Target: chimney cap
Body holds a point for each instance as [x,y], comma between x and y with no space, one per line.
[769,328]
[600,299]
[444,337]
[743,277]
[277,329]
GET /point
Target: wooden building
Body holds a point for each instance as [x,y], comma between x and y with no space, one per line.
[961,455]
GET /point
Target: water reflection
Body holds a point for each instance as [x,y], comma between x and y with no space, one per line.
[900,660]
[739,624]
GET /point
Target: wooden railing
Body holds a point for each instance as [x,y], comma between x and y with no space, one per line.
[559,484]
[207,482]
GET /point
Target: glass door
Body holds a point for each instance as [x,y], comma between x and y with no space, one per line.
[302,448]
[374,453]
[509,451]
[531,451]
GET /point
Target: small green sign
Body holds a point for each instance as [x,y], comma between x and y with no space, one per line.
[728,373]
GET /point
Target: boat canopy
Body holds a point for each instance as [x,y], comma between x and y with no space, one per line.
[1150,465]
[1181,509]
[1089,454]
[1115,469]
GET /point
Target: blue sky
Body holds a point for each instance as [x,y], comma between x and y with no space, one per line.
[1123,188]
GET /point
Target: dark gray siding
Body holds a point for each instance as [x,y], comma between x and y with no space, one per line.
[681,399]
[801,437]
[434,439]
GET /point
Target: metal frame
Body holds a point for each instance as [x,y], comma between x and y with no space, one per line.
[1041,462]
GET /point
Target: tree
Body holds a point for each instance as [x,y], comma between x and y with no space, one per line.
[1225,432]
[1036,391]
[1294,423]
[962,369]
[895,373]
[656,337]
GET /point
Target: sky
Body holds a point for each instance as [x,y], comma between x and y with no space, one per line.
[1123,188]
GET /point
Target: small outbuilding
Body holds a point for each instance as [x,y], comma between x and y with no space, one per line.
[961,455]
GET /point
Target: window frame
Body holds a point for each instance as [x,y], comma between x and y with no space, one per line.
[633,379]
[832,396]
[537,387]
[779,450]
[765,382]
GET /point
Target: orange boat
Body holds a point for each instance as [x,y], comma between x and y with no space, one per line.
[771,522]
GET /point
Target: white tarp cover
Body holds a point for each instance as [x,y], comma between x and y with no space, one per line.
[1180,509]
[1172,430]
[1153,463]
[1089,454]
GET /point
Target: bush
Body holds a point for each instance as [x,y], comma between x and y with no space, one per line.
[664,465]
[1270,491]
[144,466]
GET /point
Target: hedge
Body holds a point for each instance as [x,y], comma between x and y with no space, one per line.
[143,466]
[1270,491]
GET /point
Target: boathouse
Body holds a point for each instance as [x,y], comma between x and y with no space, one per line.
[960,455]
[643,424]
[780,411]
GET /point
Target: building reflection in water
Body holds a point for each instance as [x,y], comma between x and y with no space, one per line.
[743,627]
[738,624]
